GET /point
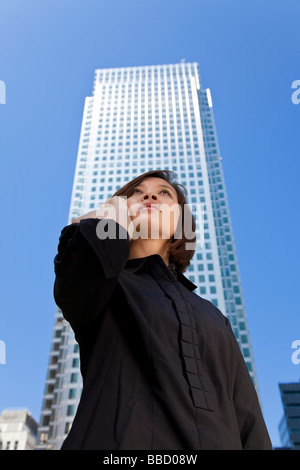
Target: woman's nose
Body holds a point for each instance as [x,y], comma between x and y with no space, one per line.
[149,195]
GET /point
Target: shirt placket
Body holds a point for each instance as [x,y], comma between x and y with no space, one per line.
[188,337]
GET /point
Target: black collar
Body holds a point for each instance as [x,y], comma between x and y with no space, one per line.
[135,264]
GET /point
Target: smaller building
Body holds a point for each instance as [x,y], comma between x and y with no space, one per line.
[18,430]
[289,426]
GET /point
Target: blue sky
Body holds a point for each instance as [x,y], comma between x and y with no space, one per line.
[248,53]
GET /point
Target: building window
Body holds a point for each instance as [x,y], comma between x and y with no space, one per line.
[70,410]
[67,427]
[74,378]
[72,393]
[75,362]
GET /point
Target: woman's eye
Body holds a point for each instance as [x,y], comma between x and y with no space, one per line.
[166,191]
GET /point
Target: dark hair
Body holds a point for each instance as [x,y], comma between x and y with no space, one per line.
[178,254]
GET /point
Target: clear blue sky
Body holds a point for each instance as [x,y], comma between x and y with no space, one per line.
[248,52]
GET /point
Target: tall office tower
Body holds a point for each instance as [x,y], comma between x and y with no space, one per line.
[289,426]
[140,119]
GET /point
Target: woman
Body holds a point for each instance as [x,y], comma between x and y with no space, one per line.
[161,367]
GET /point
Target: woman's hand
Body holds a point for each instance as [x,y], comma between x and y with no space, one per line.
[114,208]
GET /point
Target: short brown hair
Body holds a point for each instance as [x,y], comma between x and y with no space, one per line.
[178,254]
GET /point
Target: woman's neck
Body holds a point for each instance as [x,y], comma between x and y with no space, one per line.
[141,248]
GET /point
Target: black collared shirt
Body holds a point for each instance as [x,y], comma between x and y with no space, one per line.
[161,367]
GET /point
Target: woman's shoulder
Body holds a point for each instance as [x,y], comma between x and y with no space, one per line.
[205,309]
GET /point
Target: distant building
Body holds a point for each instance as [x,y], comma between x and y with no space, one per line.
[289,426]
[18,430]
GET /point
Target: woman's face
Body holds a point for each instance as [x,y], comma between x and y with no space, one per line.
[154,209]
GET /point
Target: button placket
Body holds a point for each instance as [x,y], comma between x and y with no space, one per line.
[188,337]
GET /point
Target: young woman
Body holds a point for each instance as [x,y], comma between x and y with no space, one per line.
[161,367]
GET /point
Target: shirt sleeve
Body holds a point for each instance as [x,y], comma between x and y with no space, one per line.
[87,269]
[253,431]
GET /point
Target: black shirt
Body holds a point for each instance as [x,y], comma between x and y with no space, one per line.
[161,367]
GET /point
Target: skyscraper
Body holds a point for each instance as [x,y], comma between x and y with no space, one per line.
[140,119]
[289,426]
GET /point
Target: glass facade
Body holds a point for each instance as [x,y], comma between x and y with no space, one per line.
[289,426]
[140,119]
